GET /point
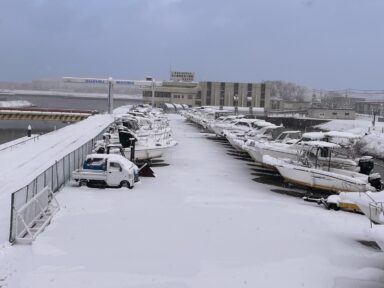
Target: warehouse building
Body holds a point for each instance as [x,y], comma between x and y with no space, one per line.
[183,89]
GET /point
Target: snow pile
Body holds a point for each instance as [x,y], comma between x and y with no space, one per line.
[377,233]
[15,104]
[373,144]
[372,141]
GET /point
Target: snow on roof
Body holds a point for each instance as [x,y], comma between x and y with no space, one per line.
[341,134]
[292,131]
[321,144]
[265,124]
[314,135]
[169,106]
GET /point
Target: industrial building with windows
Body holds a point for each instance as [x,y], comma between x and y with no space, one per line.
[182,89]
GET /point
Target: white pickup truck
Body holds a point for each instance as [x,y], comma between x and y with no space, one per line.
[106,170]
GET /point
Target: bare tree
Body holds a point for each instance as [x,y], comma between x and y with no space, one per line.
[336,100]
[287,91]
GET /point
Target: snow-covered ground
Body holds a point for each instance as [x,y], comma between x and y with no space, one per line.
[202,222]
[15,104]
[21,164]
[372,142]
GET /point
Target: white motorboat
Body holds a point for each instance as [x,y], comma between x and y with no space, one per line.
[150,134]
[290,150]
[147,152]
[308,171]
[267,131]
[241,124]
[222,120]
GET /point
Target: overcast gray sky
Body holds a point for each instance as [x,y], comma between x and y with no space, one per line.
[330,44]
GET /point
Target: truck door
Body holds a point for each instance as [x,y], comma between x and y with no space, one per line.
[115,174]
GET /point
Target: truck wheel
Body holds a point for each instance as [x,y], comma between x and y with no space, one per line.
[125,184]
[82,182]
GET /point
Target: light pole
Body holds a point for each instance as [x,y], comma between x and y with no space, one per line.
[249,100]
[236,103]
[110,95]
[221,102]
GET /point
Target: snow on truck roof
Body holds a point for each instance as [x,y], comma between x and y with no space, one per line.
[111,157]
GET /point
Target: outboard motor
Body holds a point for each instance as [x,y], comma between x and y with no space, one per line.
[366,165]
[124,138]
[375,180]
[130,124]
[100,150]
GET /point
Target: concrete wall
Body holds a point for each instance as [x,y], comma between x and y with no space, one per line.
[331,113]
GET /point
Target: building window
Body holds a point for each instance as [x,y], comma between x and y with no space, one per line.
[209,93]
[334,113]
[262,95]
[346,113]
[163,94]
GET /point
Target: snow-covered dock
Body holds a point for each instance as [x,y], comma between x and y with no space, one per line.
[202,222]
[23,163]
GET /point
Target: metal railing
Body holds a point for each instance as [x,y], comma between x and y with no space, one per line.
[54,177]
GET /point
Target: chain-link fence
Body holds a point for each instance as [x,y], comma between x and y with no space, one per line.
[54,177]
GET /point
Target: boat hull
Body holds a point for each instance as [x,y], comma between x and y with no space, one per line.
[334,180]
[319,180]
[151,152]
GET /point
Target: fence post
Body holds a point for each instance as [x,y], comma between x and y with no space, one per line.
[11,220]
[34,187]
[69,167]
[63,159]
[26,197]
[57,176]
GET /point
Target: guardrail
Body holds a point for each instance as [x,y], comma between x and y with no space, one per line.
[54,177]
[16,143]
[34,216]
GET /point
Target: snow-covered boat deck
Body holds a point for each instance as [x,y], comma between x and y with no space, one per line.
[202,222]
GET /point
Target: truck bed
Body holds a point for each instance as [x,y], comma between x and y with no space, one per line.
[89,174]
